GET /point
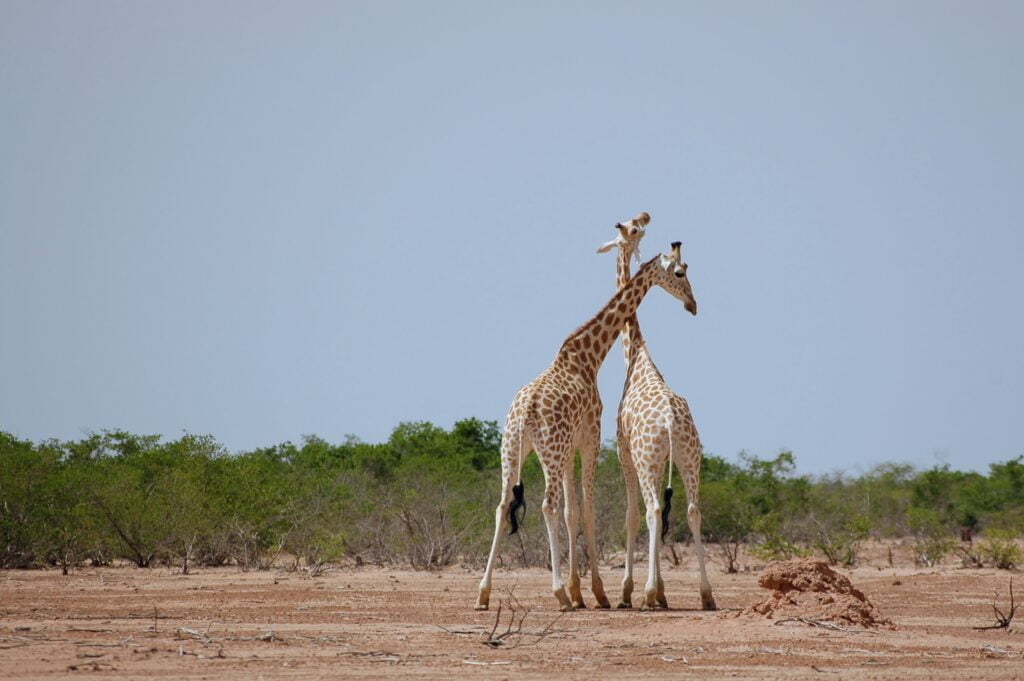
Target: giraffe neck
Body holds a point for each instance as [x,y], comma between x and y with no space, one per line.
[632,338]
[588,345]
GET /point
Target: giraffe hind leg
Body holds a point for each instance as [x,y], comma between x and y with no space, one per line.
[589,531]
[632,518]
[511,462]
[665,511]
[553,457]
[571,512]
[483,598]
[649,486]
[691,478]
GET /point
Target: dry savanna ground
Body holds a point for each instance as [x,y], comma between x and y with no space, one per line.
[122,623]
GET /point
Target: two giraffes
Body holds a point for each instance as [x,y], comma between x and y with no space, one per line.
[559,412]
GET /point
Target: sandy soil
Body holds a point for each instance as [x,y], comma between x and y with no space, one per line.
[126,623]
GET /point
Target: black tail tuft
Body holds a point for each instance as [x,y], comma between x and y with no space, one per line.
[518,502]
[666,509]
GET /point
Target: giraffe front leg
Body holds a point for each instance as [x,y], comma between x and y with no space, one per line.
[571,514]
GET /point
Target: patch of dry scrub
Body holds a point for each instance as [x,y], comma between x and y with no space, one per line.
[808,589]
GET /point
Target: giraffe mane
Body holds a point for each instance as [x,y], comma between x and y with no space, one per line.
[617,295]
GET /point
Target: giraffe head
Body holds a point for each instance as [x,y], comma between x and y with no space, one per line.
[670,274]
[630,234]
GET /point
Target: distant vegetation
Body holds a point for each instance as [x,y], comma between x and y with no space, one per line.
[426,498]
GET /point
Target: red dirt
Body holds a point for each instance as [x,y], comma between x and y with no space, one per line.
[808,589]
[373,623]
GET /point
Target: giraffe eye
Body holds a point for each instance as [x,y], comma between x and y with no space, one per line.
[680,273]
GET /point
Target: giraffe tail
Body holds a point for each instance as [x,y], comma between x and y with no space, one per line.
[518,502]
[666,507]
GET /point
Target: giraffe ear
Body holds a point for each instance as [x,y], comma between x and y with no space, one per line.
[666,261]
[607,246]
[642,219]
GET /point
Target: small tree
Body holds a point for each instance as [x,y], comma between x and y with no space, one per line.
[933,539]
[1000,549]
[728,520]
[836,521]
[69,524]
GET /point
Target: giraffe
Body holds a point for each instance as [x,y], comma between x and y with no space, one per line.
[560,411]
[654,427]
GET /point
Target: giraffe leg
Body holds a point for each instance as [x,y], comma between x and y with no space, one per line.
[484,597]
[632,519]
[550,508]
[510,465]
[691,478]
[571,514]
[589,532]
[649,486]
[660,593]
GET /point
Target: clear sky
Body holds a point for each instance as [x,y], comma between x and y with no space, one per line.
[264,220]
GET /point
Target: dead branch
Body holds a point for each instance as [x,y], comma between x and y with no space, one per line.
[195,634]
[1002,620]
[514,636]
[821,624]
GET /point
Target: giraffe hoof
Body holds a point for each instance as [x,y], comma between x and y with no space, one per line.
[708,604]
[624,605]
[662,603]
[480,606]
[565,605]
[603,604]
[579,605]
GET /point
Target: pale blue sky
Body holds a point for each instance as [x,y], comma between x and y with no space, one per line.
[264,220]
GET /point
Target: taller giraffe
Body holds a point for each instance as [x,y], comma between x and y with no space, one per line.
[559,411]
[654,427]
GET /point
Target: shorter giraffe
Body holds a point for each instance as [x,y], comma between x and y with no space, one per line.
[654,427]
[560,411]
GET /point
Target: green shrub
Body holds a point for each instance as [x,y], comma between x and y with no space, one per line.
[839,541]
[775,543]
[426,497]
[933,539]
[1000,549]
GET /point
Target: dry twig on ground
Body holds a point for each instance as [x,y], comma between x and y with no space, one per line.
[1002,620]
[821,624]
[513,636]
